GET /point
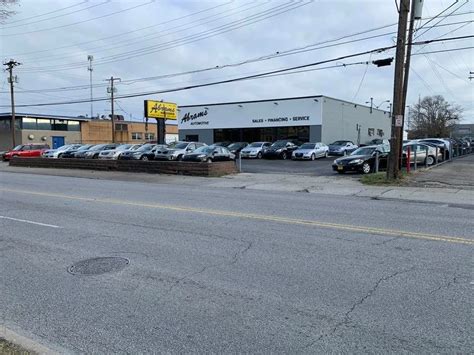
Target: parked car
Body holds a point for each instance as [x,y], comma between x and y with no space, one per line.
[236,148]
[376,141]
[177,151]
[71,153]
[142,153]
[113,154]
[420,150]
[310,151]
[342,147]
[93,152]
[255,150]
[223,143]
[443,144]
[209,154]
[58,153]
[30,150]
[281,149]
[363,159]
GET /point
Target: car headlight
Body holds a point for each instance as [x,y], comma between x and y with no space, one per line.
[356,161]
[279,150]
[201,156]
[336,162]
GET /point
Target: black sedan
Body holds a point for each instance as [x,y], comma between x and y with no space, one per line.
[281,149]
[72,153]
[236,147]
[363,160]
[209,154]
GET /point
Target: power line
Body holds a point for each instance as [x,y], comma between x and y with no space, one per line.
[57,16]
[190,39]
[264,74]
[44,14]
[76,23]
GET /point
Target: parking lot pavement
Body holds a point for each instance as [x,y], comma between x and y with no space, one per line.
[458,173]
[319,167]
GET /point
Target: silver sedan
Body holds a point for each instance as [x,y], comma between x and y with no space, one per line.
[310,151]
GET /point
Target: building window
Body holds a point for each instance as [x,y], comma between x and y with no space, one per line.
[59,125]
[122,127]
[137,136]
[149,136]
[44,124]
[29,123]
[73,126]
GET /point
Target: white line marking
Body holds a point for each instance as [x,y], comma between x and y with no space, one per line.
[31,222]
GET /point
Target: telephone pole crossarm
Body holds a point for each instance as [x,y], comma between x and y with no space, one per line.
[111,89]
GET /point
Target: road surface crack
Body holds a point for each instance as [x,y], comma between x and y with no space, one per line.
[347,316]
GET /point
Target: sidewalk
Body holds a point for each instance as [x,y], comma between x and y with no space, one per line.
[451,183]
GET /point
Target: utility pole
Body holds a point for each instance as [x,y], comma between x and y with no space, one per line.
[12,79]
[111,89]
[90,58]
[415,9]
[398,107]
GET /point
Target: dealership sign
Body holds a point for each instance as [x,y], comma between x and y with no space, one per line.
[159,109]
[275,113]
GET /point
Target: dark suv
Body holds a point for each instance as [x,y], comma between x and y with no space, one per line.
[281,149]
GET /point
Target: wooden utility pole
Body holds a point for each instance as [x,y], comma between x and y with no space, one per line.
[398,107]
[12,79]
[111,89]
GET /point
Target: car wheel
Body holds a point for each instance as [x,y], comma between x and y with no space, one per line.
[326,154]
[144,158]
[284,156]
[313,157]
[366,168]
[60,156]
[259,155]
[179,158]
[209,160]
[430,160]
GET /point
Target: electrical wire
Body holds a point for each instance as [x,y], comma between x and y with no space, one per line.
[78,22]
[264,74]
[57,16]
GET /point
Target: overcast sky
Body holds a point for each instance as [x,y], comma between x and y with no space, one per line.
[137,39]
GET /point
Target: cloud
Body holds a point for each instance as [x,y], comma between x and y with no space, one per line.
[445,73]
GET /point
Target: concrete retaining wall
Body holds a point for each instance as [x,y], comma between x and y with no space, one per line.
[154,167]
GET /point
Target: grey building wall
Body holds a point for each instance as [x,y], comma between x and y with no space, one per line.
[315,133]
[204,135]
[340,120]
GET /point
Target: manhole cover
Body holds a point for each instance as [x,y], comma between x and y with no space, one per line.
[98,266]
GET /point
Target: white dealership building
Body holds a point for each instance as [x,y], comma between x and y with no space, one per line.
[308,119]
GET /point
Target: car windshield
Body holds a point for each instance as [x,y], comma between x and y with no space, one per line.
[256,145]
[205,150]
[18,147]
[308,146]
[279,144]
[98,147]
[123,147]
[180,146]
[145,147]
[84,147]
[364,151]
[339,143]
[64,147]
[236,145]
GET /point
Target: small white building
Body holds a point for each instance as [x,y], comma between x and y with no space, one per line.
[309,119]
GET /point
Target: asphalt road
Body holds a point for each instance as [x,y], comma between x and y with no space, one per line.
[318,167]
[230,270]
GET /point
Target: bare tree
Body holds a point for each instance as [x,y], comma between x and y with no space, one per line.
[5,9]
[433,117]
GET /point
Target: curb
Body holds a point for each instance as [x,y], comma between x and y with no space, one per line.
[24,342]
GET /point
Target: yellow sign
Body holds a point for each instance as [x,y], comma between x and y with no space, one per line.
[159,109]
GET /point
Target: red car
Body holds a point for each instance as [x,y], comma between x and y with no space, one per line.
[26,150]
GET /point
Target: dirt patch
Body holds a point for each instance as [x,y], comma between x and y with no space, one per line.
[7,348]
